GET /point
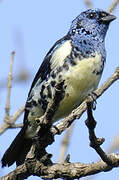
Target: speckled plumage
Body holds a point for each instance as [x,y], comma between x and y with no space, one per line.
[78,60]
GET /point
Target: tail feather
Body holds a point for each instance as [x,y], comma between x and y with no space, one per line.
[17,150]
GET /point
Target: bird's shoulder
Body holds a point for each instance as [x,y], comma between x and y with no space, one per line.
[47,63]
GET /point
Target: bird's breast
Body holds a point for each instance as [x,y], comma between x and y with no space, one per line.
[80,79]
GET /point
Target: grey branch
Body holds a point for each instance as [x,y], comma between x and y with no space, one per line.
[64,170]
[65,144]
[9,121]
[9,85]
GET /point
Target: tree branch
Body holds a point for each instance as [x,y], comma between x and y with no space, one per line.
[65,144]
[9,85]
[9,121]
[113,6]
[95,142]
[64,170]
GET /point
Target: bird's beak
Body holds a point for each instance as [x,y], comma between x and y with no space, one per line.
[108,18]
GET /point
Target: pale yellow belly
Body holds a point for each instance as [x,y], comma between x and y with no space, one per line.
[80,81]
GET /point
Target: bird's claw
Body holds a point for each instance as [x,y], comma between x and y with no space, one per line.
[93,95]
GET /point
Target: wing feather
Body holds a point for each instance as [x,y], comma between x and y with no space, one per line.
[44,70]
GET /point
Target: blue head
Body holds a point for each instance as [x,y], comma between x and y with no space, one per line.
[93,21]
[88,30]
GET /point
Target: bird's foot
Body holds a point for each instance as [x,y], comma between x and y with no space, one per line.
[93,95]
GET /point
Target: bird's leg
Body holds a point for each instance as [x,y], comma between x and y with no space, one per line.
[93,95]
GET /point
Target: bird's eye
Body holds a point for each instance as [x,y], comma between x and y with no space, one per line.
[92,15]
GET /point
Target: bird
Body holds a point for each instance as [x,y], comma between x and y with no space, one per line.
[78,60]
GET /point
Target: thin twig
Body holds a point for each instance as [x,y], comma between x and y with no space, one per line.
[20,125]
[88,4]
[17,114]
[5,125]
[10,120]
[65,144]
[20,77]
[9,85]
[113,6]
